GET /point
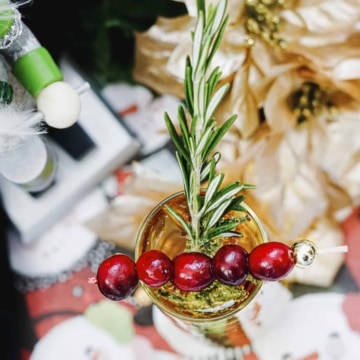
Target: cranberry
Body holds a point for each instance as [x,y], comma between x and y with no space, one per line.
[117,277]
[271,261]
[154,268]
[192,271]
[230,264]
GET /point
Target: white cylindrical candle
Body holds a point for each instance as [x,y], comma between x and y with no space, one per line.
[31,165]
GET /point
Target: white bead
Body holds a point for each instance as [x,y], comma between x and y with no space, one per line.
[60,105]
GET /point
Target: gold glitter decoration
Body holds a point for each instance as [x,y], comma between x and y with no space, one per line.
[263,20]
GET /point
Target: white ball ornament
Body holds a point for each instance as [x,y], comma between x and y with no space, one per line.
[60,105]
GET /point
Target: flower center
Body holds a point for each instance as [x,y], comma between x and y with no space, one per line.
[263,21]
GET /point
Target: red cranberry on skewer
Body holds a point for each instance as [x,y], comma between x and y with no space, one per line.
[230,264]
[271,261]
[192,271]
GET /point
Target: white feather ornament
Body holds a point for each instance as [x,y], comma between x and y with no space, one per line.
[17,126]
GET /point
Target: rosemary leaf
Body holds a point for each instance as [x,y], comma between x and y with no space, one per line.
[213,187]
[205,172]
[213,80]
[222,197]
[213,167]
[225,230]
[236,203]
[204,139]
[217,214]
[175,137]
[218,135]
[198,36]
[200,4]
[219,17]
[183,126]
[179,219]
[193,126]
[188,86]
[201,105]
[216,100]
[184,173]
[217,41]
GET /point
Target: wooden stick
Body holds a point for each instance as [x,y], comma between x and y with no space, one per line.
[334,249]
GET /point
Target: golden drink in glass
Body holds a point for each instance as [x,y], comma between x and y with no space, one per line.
[208,310]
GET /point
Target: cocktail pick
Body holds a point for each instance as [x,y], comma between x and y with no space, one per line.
[306,252]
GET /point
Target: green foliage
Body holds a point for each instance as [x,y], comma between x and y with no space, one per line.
[200,134]
[100,34]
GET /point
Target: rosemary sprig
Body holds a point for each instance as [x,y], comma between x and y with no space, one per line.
[199,135]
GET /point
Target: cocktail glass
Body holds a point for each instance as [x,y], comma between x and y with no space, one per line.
[209,314]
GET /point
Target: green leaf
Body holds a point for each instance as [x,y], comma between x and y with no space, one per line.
[224,230]
[184,172]
[193,125]
[183,126]
[202,62]
[216,100]
[205,171]
[223,194]
[236,203]
[198,39]
[213,80]
[249,186]
[213,188]
[209,19]
[213,163]
[218,19]
[202,101]
[200,5]
[192,150]
[179,219]
[218,213]
[204,139]
[175,137]
[218,135]
[188,87]
[217,42]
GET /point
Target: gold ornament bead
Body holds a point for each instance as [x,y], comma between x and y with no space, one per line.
[305,253]
[249,41]
[275,20]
